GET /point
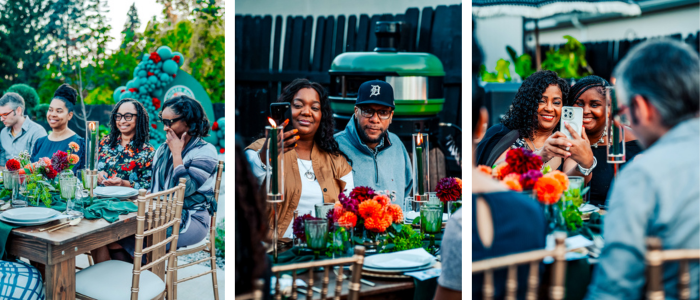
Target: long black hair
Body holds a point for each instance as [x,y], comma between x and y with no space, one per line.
[585,84]
[193,112]
[324,135]
[142,128]
[522,114]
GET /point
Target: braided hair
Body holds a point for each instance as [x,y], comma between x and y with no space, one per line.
[324,135]
[142,128]
[522,114]
[583,85]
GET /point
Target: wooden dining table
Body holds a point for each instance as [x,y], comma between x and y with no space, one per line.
[57,250]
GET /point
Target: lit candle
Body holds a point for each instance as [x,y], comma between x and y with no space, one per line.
[419,163]
[92,141]
[272,145]
[615,138]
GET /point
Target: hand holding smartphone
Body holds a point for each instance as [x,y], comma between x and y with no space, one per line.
[573,116]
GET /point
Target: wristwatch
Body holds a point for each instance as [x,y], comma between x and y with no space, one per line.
[588,171]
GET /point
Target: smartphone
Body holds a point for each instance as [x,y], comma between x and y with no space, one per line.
[573,116]
[279,111]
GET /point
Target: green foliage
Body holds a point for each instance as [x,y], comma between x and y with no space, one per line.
[100,95]
[402,237]
[546,170]
[220,240]
[569,61]
[39,111]
[575,196]
[28,93]
[131,35]
[40,190]
[502,72]
[103,131]
[522,63]
[572,216]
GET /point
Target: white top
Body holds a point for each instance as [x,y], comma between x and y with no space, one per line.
[311,193]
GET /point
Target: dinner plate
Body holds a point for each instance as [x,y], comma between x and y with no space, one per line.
[398,271]
[116,191]
[29,214]
[397,261]
[33,223]
[586,208]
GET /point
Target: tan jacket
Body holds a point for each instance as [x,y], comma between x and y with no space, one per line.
[328,169]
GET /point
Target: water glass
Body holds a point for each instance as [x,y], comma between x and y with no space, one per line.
[417,205]
[19,190]
[432,197]
[68,185]
[453,206]
[76,207]
[8,181]
[316,233]
[342,235]
[408,204]
[322,209]
[87,179]
[576,182]
[431,218]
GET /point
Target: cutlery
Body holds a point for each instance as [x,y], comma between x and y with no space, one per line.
[367,282]
[52,226]
[71,223]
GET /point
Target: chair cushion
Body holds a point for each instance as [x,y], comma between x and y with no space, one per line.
[202,242]
[111,280]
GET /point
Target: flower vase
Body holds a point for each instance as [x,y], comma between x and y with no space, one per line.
[374,241]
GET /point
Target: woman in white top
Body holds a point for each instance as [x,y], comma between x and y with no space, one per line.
[315,169]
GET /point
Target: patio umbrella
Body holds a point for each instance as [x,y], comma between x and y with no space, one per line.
[539,9]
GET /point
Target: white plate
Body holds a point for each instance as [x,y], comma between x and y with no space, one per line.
[33,223]
[399,270]
[396,260]
[412,215]
[116,191]
[586,208]
[29,214]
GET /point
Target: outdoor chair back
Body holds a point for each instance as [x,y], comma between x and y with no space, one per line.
[655,258]
[533,258]
[357,260]
[208,245]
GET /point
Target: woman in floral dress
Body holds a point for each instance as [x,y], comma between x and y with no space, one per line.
[125,155]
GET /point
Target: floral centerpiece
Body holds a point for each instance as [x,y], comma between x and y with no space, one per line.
[449,191]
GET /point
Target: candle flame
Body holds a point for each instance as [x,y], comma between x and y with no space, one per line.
[272,122]
[92,126]
[419,139]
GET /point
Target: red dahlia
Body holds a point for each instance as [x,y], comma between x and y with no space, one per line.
[520,160]
[12,165]
[59,161]
[362,193]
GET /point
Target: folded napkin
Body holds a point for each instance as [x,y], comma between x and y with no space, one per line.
[5,230]
[109,209]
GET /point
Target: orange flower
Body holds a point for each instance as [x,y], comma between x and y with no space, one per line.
[379,223]
[501,170]
[512,181]
[73,159]
[382,199]
[396,213]
[348,217]
[74,146]
[369,209]
[459,181]
[561,177]
[484,169]
[548,190]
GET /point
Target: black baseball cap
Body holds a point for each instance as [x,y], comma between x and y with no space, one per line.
[375,92]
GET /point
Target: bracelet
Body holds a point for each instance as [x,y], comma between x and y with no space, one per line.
[587,171]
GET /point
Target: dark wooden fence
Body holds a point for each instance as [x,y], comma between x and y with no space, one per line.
[604,56]
[264,65]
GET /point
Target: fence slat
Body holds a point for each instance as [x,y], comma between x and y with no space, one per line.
[255,42]
[278,42]
[297,38]
[362,34]
[240,49]
[426,23]
[339,36]
[265,32]
[352,29]
[328,43]
[318,44]
[411,18]
[247,42]
[372,40]
[286,55]
[306,52]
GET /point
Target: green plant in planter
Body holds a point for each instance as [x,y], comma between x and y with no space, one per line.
[502,72]
[522,63]
[569,61]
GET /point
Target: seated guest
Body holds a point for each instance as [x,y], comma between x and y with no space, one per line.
[450,281]
[183,155]
[589,94]
[316,170]
[503,222]
[251,229]
[60,112]
[20,132]
[532,123]
[19,280]
[657,194]
[379,157]
[125,155]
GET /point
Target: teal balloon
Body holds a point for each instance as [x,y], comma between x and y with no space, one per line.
[222,143]
[165,53]
[125,95]
[131,84]
[143,73]
[142,81]
[159,65]
[158,91]
[221,121]
[153,80]
[182,58]
[170,67]
[164,77]
[145,57]
[118,92]
[220,134]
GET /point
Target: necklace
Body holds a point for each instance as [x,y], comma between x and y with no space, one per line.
[309,175]
[601,140]
[533,146]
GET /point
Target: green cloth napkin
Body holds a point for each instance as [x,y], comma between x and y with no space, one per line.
[425,289]
[5,230]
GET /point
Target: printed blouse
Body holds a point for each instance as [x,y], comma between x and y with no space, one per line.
[127,163]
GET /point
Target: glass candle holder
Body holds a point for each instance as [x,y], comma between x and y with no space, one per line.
[19,190]
[316,234]
[8,178]
[92,138]
[341,239]
[614,128]
[431,218]
[68,186]
[322,209]
[421,167]
[274,165]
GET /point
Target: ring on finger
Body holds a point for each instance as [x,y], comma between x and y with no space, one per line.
[567,148]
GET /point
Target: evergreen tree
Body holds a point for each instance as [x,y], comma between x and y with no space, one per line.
[130,35]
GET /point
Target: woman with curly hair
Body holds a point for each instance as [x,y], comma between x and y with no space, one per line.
[316,169]
[589,93]
[532,122]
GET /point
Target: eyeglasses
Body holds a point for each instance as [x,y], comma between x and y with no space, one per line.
[170,122]
[383,114]
[7,114]
[127,116]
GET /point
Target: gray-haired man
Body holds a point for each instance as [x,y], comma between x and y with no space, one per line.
[656,194]
[20,132]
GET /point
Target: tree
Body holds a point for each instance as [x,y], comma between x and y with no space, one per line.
[130,35]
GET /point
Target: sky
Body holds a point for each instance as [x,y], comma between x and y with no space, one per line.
[117,16]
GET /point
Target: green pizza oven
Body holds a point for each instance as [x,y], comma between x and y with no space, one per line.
[417,80]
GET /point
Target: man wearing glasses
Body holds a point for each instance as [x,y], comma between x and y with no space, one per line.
[20,132]
[379,159]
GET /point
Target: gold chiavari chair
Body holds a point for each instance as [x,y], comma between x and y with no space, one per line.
[357,260]
[655,258]
[533,258]
[207,245]
[120,280]
[256,294]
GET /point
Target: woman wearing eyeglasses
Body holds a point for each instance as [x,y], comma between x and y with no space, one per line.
[59,113]
[316,170]
[125,155]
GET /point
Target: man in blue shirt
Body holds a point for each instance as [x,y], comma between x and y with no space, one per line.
[379,159]
[657,194]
